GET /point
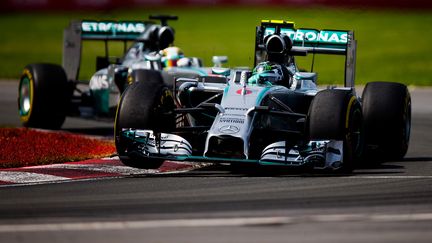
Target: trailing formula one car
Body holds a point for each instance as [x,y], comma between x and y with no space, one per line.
[48,92]
[272,115]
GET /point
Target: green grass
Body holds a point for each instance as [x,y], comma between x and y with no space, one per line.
[392,45]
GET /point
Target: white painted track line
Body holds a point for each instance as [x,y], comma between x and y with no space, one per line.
[215,222]
[84,170]
[118,169]
[394,177]
[28,177]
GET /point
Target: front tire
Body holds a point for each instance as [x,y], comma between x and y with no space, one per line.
[145,104]
[43,96]
[337,115]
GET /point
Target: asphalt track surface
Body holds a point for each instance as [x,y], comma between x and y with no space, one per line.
[391,202]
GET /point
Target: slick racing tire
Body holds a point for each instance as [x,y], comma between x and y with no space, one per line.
[141,75]
[43,96]
[143,105]
[337,115]
[387,120]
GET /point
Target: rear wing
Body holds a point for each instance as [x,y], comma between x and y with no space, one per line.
[306,40]
[110,30]
[105,31]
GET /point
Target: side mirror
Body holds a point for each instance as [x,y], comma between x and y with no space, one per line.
[219,60]
[221,71]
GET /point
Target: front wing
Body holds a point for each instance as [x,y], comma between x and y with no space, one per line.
[326,154]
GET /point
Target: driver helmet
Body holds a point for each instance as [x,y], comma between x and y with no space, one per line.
[267,72]
[171,55]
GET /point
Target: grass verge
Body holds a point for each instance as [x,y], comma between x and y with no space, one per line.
[393,45]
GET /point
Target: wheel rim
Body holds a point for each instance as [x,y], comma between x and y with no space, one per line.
[25,97]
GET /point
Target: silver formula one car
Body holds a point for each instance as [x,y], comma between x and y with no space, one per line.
[272,115]
[49,92]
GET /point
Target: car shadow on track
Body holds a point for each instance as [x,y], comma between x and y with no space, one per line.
[388,168]
[417,159]
[226,170]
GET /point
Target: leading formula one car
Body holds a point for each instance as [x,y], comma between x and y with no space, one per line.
[272,115]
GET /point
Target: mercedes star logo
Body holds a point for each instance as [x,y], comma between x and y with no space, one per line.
[229,129]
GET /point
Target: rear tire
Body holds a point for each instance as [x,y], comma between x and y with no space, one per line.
[141,107]
[43,96]
[387,119]
[336,114]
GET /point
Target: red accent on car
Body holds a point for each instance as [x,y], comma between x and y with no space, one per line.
[246,92]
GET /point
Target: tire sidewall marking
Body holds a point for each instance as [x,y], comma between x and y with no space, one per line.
[348,113]
[352,149]
[406,118]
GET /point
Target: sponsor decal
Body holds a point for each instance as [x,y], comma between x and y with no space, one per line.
[269,31]
[311,36]
[231,120]
[235,108]
[229,129]
[107,27]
